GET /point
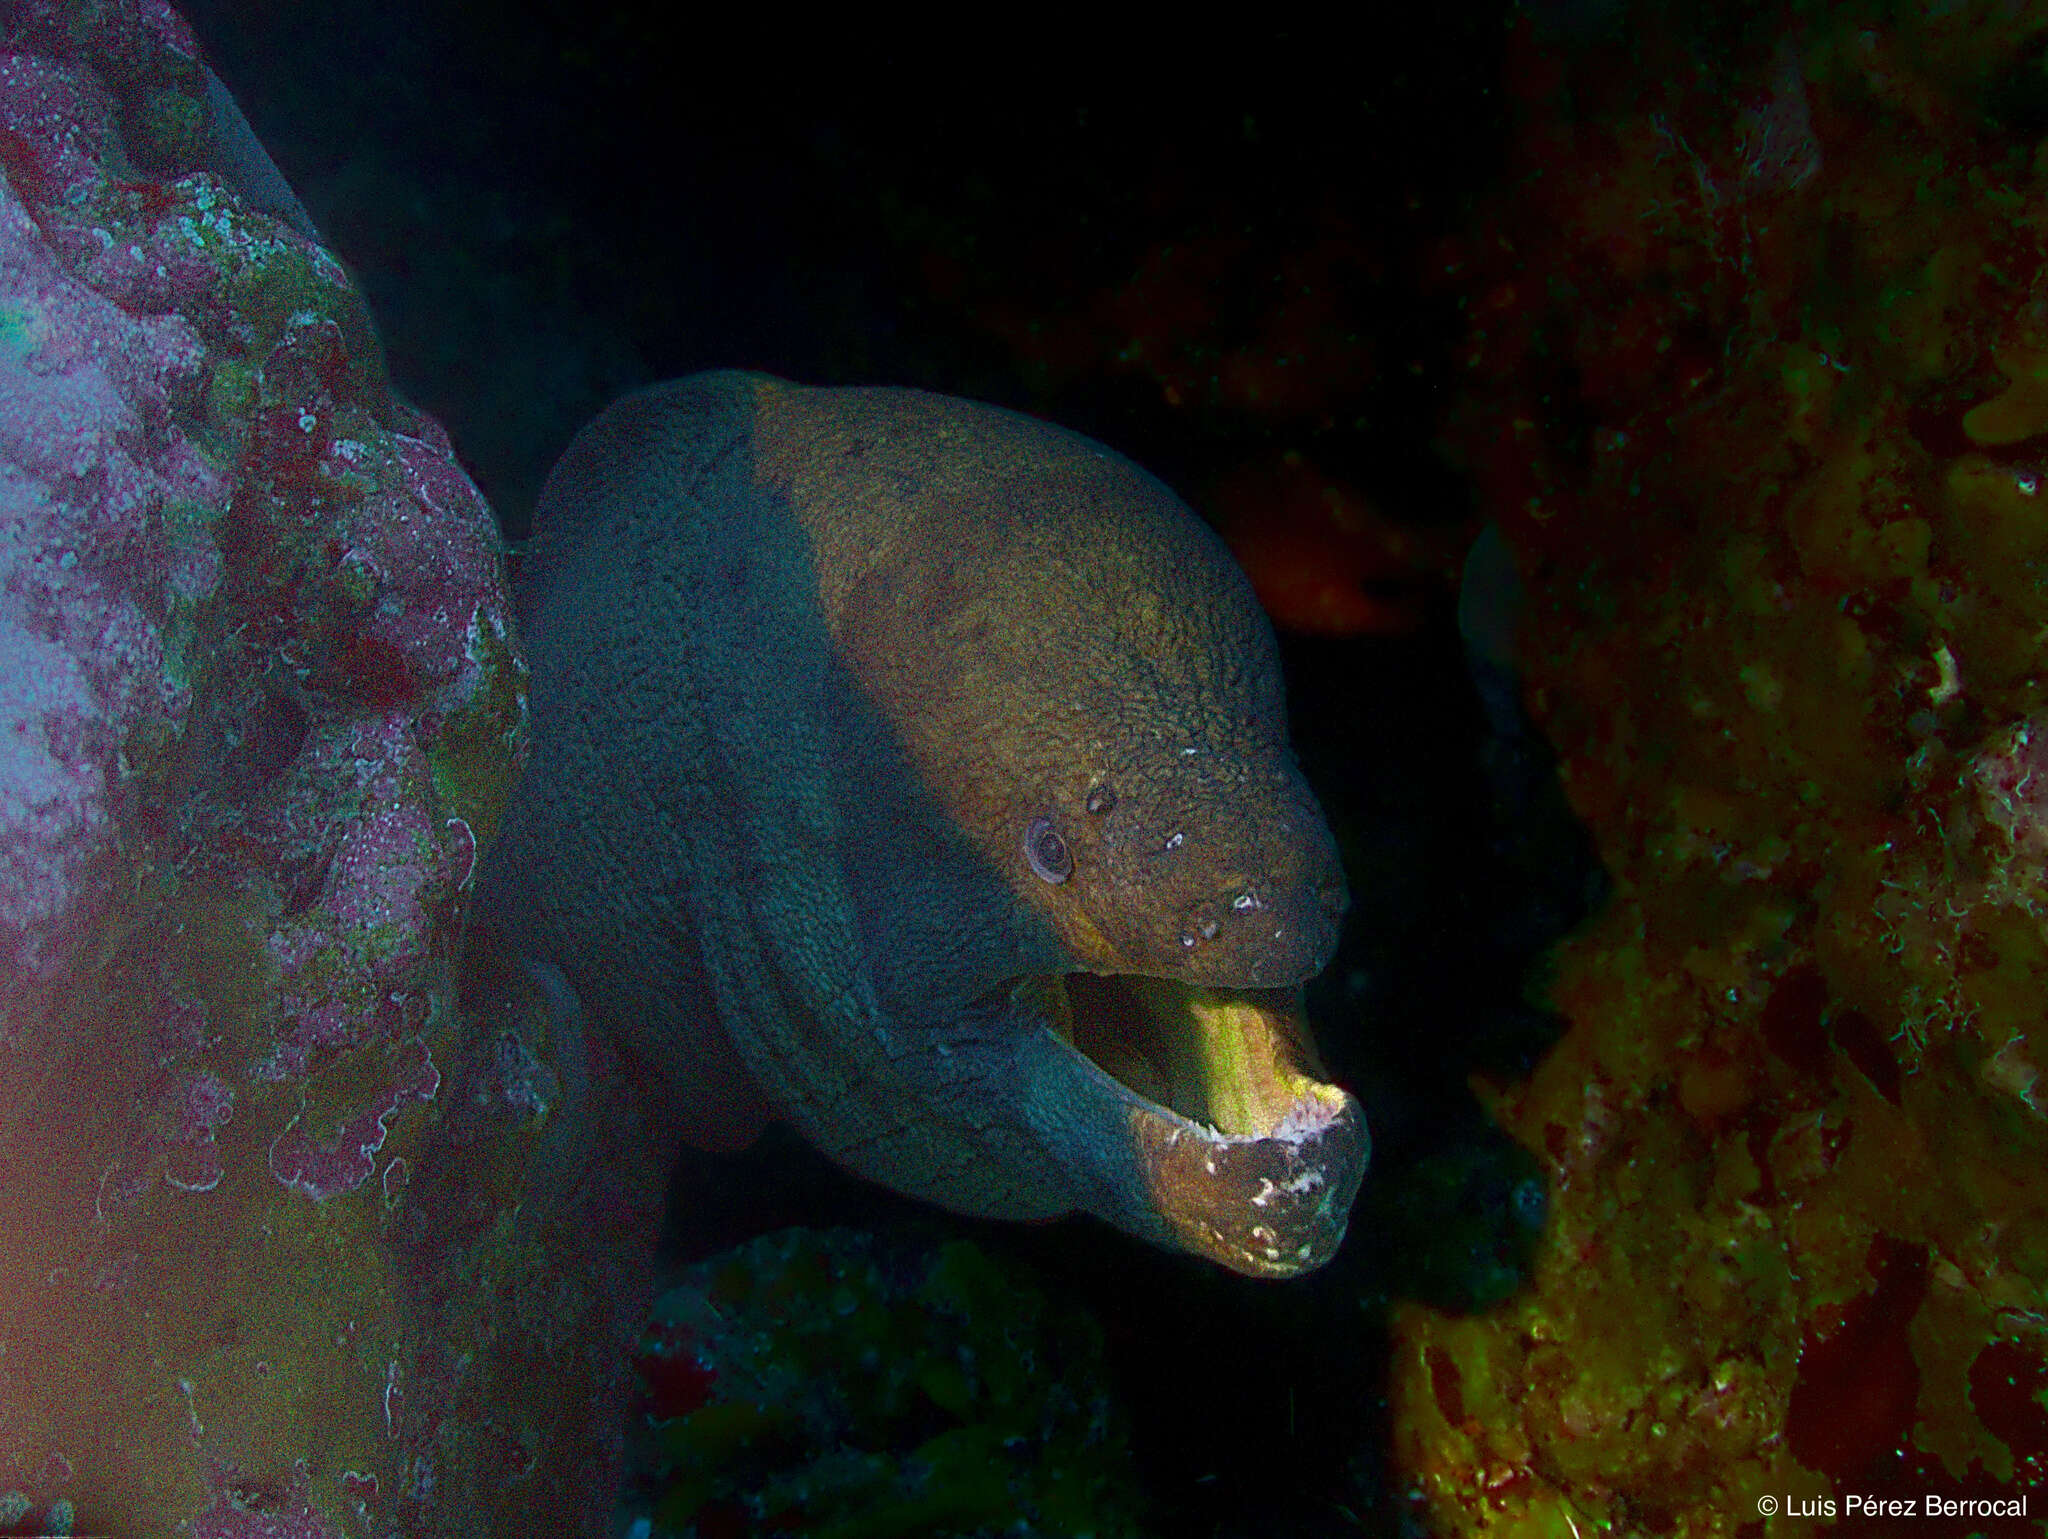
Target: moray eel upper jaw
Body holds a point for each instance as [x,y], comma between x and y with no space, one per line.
[1207,861]
[1266,917]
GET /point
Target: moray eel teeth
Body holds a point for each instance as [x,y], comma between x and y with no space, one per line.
[1234,1148]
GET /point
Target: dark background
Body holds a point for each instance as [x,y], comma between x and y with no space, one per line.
[552,203]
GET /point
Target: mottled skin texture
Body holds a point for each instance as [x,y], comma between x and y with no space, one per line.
[807,666]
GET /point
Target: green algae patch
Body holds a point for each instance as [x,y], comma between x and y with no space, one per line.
[478,757]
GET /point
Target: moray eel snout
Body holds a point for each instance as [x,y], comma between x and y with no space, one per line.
[1245,891]
[916,772]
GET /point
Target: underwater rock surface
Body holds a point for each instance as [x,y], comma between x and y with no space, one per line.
[834,1382]
[1757,351]
[258,705]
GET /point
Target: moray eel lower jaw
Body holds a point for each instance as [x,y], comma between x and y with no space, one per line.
[1225,1142]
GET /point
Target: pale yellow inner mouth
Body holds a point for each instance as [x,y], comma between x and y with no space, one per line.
[1236,1059]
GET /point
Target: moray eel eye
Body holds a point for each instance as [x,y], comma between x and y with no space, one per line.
[1047,851]
[1101,799]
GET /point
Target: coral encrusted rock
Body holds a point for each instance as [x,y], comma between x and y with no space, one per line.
[281,1227]
[1757,402]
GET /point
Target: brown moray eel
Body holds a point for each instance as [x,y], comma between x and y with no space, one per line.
[916,771]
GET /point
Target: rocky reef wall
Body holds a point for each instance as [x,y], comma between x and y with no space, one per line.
[1757,400]
[260,1271]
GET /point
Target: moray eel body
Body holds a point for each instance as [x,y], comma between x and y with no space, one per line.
[916,771]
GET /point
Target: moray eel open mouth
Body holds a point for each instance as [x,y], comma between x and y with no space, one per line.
[1245,1154]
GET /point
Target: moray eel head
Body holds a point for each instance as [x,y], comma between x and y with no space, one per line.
[917,772]
[1081,681]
